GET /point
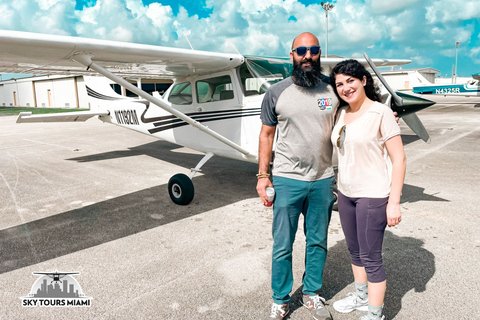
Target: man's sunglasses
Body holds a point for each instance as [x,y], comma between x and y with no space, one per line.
[341,136]
[301,51]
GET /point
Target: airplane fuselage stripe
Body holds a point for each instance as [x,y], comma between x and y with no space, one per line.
[181,124]
[207,116]
[95,94]
[193,114]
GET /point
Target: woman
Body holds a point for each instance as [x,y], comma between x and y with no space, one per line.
[366,137]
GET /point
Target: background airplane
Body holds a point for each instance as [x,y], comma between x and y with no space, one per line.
[212,107]
[423,86]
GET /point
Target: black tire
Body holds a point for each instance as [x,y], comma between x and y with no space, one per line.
[180,189]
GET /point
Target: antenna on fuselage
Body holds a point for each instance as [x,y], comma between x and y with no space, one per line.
[187,40]
[234,47]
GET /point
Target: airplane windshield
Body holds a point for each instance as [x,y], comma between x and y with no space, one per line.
[258,74]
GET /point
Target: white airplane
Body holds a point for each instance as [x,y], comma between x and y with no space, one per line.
[423,86]
[213,105]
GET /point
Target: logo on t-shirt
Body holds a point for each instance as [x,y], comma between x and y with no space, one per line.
[325,103]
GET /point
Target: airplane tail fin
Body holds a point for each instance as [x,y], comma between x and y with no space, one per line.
[417,80]
[100,96]
[100,93]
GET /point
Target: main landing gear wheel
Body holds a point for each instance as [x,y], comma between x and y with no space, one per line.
[180,189]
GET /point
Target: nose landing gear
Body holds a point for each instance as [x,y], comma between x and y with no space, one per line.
[180,189]
[180,186]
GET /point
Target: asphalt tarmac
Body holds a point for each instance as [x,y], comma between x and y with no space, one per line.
[92,198]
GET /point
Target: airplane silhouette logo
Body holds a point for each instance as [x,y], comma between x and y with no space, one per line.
[56,289]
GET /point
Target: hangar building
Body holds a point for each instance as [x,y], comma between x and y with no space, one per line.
[399,79]
[44,92]
[60,91]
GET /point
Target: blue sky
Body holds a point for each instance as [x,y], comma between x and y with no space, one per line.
[424,31]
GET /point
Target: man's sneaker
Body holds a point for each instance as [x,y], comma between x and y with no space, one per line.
[366,317]
[316,305]
[279,311]
[350,303]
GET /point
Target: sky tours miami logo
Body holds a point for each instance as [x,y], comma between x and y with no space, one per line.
[56,289]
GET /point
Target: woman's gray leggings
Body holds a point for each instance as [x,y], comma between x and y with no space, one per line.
[363,222]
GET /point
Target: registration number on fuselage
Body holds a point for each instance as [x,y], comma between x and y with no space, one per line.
[447,90]
[126,117]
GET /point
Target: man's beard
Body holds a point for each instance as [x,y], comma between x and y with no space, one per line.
[307,78]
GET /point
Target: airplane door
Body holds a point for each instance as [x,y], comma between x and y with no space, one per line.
[217,103]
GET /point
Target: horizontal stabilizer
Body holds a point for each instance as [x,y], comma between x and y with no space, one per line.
[416,125]
[59,117]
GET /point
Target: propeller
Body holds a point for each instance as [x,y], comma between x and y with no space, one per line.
[405,105]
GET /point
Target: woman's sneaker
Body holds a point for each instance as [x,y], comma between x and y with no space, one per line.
[350,303]
[366,317]
[279,311]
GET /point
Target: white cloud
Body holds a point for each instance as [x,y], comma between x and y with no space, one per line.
[452,10]
[448,52]
[136,7]
[162,17]
[388,7]
[421,60]
[475,55]
[382,28]
[8,16]
[46,4]
[121,34]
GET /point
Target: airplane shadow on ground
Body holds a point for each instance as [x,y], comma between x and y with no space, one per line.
[226,181]
[408,266]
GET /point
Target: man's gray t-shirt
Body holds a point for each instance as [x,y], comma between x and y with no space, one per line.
[304,118]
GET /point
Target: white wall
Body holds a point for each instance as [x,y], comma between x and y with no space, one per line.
[44,94]
[7,99]
[2,95]
[25,97]
[64,92]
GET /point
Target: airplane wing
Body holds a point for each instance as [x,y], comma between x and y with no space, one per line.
[55,273]
[23,52]
[79,116]
[331,62]
[33,53]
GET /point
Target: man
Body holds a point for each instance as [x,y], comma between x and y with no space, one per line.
[302,108]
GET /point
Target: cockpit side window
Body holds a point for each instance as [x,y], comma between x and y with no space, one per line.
[214,89]
[249,82]
[258,74]
[181,94]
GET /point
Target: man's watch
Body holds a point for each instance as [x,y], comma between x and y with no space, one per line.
[263,175]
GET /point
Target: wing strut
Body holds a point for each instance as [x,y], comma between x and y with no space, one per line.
[86,60]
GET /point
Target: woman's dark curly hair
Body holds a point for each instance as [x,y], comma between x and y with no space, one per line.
[355,69]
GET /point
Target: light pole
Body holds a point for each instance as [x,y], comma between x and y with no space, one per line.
[456,59]
[327,6]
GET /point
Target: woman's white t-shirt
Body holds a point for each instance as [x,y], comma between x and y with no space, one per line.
[364,167]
